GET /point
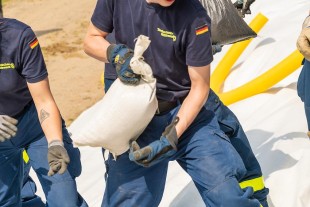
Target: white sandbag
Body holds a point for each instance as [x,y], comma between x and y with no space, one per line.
[123,113]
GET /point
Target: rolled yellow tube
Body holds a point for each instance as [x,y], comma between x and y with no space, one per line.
[223,68]
[264,81]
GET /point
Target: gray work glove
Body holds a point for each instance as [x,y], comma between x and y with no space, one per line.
[157,151]
[8,127]
[58,158]
[120,55]
[216,49]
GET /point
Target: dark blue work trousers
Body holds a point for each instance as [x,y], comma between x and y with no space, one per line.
[216,163]
[29,189]
[60,190]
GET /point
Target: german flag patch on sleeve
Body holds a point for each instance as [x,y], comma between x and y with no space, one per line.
[33,43]
[202,29]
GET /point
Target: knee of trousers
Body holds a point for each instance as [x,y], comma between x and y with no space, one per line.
[64,194]
[229,194]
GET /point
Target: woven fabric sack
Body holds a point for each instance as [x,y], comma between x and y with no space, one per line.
[227,26]
[123,113]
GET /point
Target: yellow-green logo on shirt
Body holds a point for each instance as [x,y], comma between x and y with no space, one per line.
[167,34]
[7,66]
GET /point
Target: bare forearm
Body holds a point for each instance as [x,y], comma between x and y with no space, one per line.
[50,120]
[47,109]
[190,108]
[95,44]
[196,98]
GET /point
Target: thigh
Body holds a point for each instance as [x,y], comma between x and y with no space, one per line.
[57,188]
[11,175]
[129,184]
[29,198]
[231,126]
[215,167]
[11,162]
[207,155]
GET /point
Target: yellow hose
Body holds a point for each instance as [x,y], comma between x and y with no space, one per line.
[264,81]
[222,70]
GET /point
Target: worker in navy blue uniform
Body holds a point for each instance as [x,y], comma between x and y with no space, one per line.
[184,129]
[303,84]
[29,198]
[30,120]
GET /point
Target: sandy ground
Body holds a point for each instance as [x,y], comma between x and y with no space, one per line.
[60,27]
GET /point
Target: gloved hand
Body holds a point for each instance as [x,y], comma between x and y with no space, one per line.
[216,49]
[246,7]
[303,41]
[8,127]
[157,150]
[58,158]
[239,5]
[120,55]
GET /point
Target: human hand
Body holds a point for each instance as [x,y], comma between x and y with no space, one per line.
[239,5]
[157,150]
[306,22]
[303,43]
[216,49]
[243,7]
[58,158]
[8,127]
[120,55]
[246,7]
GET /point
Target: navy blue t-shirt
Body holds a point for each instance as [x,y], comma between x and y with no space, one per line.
[179,34]
[21,61]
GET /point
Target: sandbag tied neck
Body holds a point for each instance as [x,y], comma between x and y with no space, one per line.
[137,63]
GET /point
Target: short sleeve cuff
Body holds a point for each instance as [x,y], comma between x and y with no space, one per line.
[196,63]
[100,26]
[38,78]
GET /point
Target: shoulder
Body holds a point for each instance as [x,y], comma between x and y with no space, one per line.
[14,25]
[191,10]
[193,7]
[13,29]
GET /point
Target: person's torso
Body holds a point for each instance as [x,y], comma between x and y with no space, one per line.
[167,28]
[14,93]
